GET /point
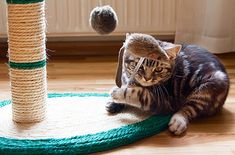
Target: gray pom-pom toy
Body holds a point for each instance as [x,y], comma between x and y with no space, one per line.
[103,19]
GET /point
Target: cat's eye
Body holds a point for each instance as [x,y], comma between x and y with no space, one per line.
[159,69]
[142,67]
[132,64]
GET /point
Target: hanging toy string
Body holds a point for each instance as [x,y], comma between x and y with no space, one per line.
[140,62]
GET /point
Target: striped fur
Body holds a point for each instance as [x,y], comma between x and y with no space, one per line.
[194,84]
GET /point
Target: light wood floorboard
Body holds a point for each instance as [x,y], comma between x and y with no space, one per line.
[214,135]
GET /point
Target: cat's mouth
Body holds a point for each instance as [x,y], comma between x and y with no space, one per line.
[147,83]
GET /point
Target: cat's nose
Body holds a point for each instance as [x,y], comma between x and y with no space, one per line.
[148,79]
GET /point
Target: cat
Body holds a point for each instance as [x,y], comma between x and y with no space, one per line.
[184,80]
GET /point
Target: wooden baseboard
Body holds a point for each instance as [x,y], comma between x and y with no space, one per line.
[84,48]
[60,48]
[76,48]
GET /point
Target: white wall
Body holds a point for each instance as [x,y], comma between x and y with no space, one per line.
[70,17]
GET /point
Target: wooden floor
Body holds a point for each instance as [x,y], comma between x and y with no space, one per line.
[215,135]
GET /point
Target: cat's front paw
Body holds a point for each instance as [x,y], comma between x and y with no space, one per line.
[112,107]
[178,124]
[117,95]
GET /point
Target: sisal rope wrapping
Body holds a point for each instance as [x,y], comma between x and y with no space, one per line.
[26,34]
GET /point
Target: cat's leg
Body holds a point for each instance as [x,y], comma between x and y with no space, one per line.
[113,107]
[178,123]
[205,100]
[133,96]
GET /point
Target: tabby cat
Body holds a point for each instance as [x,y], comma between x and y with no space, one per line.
[184,80]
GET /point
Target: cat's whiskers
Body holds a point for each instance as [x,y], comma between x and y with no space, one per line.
[150,80]
[178,76]
[160,92]
[164,88]
[158,96]
[166,97]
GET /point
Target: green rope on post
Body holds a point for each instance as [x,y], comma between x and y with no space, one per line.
[23,1]
[32,65]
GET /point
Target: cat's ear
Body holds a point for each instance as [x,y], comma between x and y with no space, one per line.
[127,35]
[118,79]
[172,50]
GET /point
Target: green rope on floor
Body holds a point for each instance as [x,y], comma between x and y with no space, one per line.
[30,65]
[85,144]
[23,1]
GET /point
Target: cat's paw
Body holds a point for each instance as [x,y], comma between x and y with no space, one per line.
[178,124]
[112,107]
[117,95]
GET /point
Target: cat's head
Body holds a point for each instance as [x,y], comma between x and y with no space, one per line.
[159,58]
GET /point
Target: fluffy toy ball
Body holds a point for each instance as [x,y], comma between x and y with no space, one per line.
[103,19]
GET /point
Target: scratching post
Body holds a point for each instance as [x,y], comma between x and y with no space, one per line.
[27,59]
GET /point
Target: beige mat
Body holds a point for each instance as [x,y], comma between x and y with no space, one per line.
[69,116]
